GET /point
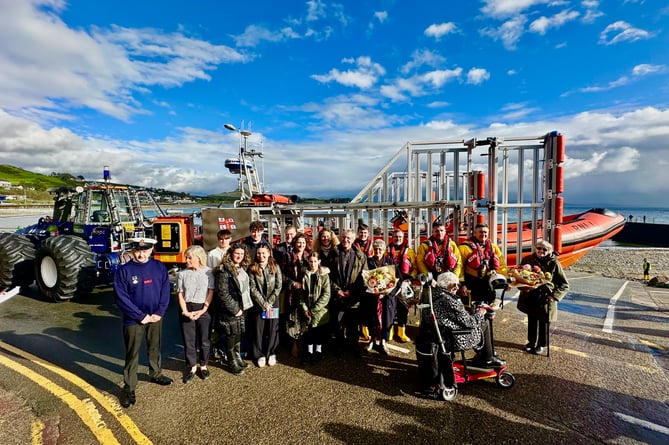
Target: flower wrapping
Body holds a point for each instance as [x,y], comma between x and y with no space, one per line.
[527,276]
[380,280]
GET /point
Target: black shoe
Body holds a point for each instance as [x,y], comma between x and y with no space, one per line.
[204,373]
[127,398]
[316,358]
[529,348]
[307,359]
[480,362]
[496,363]
[162,380]
[188,376]
[538,350]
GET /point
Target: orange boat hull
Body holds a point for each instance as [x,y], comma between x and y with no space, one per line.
[580,233]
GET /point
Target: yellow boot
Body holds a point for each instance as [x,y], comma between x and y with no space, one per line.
[365,333]
[401,334]
[392,332]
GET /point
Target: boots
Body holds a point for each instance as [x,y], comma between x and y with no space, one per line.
[392,333]
[234,358]
[238,356]
[365,333]
[401,334]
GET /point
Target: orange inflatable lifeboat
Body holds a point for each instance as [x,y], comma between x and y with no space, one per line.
[577,234]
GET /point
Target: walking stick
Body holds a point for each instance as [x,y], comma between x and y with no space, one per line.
[548,341]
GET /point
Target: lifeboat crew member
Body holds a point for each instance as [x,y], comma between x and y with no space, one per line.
[438,254]
[405,259]
[480,258]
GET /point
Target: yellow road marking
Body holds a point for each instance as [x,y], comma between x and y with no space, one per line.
[36,429]
[110,405]
[586,355]
[99,429]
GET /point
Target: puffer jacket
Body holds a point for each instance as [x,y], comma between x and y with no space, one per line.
[316,299]
[228,300]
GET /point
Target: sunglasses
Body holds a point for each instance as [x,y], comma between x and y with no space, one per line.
[542,249]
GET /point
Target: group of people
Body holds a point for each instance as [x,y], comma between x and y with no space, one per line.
[314,295]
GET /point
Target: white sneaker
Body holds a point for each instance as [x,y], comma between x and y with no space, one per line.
[272,360]
[261,362]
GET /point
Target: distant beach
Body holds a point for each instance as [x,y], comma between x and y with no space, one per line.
[623,262]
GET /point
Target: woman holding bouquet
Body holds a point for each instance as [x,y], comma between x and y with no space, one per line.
[380,302]
[541,304]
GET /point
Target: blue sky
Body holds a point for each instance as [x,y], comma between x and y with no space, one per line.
[333,89]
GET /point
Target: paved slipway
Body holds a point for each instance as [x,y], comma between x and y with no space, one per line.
[598,386]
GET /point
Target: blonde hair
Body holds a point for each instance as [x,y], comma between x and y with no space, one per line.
[197,252]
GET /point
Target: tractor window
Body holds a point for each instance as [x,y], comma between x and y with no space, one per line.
[122,201]
[99,210]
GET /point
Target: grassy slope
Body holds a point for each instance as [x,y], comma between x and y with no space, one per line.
[18,176]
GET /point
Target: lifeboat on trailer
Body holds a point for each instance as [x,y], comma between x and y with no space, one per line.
[577,234]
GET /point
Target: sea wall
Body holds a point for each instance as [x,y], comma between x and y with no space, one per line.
[644,234]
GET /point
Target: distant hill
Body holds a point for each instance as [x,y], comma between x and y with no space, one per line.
[18,176]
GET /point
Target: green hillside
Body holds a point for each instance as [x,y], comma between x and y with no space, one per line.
[18,176]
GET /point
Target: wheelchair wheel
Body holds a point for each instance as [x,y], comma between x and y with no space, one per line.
[448,394]
[506,380]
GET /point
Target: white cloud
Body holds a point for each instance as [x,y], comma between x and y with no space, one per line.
[439,30]
[438,78]
[509,32]
[422,57]
[51,67]
[509,8]
[477,76]
[381,16]
[542,24]
[364,76]
[622,31]
[637,72]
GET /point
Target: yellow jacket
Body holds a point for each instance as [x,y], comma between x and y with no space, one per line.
[424,248]
[467,251]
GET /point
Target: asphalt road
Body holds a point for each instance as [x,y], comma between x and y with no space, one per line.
[606,381]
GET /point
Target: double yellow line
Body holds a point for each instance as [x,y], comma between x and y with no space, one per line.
[85,409]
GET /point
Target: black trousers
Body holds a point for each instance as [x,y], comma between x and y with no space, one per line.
[133,336]
[264,335]
[536,326]
[315,335]
[196,333]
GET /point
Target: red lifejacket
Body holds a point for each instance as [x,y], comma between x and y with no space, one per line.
[444,255]
[482,259]
[401,258]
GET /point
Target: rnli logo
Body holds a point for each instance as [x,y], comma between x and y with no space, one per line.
[135,279]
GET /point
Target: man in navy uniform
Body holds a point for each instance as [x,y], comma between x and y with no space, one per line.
[142,292]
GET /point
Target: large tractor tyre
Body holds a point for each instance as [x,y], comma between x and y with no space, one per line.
[17,254]
[65,268]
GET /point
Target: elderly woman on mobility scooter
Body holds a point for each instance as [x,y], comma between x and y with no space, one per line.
[434,362]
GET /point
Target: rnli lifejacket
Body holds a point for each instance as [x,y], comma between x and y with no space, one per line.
[481,259]
[366,249]
[440,259]
[401,258]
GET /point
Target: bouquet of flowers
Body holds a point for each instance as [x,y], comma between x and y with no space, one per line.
[380,280]
[527,275]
